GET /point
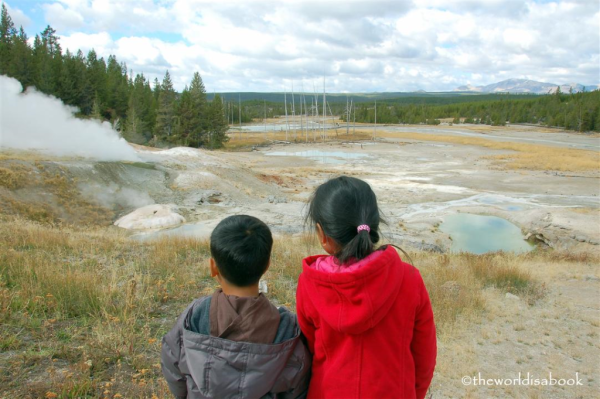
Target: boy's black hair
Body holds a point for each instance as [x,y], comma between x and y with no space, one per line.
[241,247]
[342,204]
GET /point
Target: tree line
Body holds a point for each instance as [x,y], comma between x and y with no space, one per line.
[143,113]
[571,111]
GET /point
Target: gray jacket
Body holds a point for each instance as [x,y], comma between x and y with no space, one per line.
[198,365]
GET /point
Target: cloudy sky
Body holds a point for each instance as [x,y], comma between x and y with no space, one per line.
[358,46]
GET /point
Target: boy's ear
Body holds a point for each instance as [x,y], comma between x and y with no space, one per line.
[214,271]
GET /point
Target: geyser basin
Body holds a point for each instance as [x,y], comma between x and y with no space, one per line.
[481,234]
[331,157]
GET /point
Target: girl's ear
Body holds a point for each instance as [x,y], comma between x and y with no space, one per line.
[214,271]
[321,235]
[328,244]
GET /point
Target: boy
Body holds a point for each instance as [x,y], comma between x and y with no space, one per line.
[235,343]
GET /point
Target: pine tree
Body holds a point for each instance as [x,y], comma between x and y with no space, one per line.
[138,112]
[55,60]
[156,91]
[96,76]
[70,81]
[150,104]
[134,127]
[7,32]
[218,126]
[96,109]
[20,63]
[186,119]
[165,115]
[41,76]
[117,88]
[84,87]
[192,112]
[47,62]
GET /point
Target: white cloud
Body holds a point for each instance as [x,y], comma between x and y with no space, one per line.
[132,16]
[361,45]
[521,38]
[102,43]
[61,18]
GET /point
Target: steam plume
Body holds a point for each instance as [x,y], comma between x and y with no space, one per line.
[35,121]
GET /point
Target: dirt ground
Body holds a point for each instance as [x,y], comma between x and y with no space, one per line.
[557,336]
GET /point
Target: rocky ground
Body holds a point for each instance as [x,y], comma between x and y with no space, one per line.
[417,183]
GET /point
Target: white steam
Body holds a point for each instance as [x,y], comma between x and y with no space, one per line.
[113,196]
[35,121]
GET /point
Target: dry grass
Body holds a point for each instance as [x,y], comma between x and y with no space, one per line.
[30,155]
[80,309]
[13,178]
[525,156]
[83,310]
[587,211]
[245,140]
[44,192]
[454,291]
[504,271]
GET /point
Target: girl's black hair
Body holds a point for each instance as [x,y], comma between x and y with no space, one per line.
[340,205]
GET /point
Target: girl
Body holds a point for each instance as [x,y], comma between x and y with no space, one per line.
[365,313]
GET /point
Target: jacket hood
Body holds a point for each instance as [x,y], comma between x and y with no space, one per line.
[355,301]
[222,368]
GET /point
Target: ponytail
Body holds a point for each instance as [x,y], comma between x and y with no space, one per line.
[359,247]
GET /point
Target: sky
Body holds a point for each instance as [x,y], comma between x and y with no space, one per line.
[355,46]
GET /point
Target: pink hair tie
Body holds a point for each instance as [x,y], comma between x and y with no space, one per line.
[363,227]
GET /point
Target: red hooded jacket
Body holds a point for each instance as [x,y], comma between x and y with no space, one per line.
[370,330]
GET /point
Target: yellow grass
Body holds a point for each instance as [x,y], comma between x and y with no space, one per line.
[30,155]
[587,211]
[89,300]
[14,177]
[83,310]
[245,140]
[51,194]
[525,156]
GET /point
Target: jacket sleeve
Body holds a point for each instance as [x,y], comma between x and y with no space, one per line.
[306,324]
[170,357]
[301,356]
[424,345]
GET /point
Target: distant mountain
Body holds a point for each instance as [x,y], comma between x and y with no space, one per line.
[591,87]
[525,86]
